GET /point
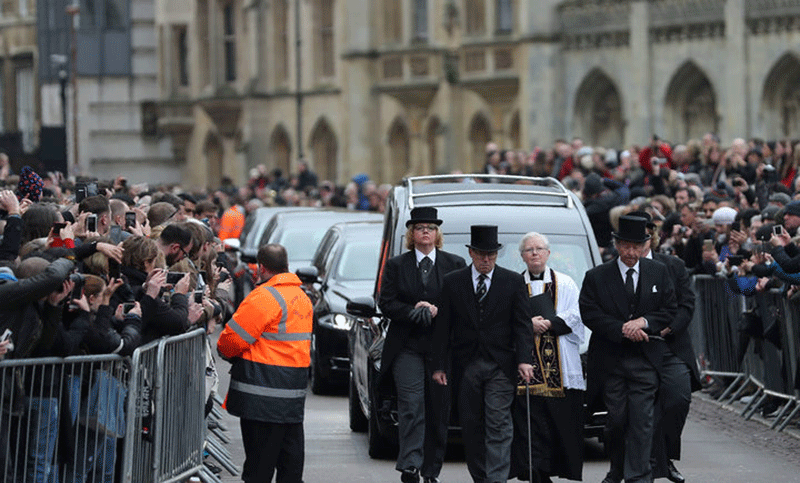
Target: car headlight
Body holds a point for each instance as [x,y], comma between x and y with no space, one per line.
[342,322]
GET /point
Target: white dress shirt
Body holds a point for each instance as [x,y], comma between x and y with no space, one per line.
[431,255]
[487,281]
[623,270]
[567,293]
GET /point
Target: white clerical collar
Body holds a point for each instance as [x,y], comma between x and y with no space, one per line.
[420,256]
[545,278]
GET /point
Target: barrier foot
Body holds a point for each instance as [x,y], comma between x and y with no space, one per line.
[208,476]
[783,411]
[741,382]
[226,463]
[790,417]
[757,401]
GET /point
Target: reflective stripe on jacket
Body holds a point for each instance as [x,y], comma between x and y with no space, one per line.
[269,338]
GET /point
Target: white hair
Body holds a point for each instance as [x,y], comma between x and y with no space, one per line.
[530,235]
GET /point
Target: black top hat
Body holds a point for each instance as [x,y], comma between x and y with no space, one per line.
[484,238]
[646,216]
[632,229]
[424,214]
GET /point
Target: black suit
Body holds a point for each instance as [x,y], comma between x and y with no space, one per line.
[627,371]
[484,342]
[423,406]
[679,375]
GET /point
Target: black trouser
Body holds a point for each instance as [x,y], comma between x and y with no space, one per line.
[423,409]
[630,394]
[484,407]
[272,446]
[674,397]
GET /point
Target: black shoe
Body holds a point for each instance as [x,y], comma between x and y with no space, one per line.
[410,475]
[673,474]
[611,479]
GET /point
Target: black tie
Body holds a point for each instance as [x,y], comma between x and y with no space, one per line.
[425,269]
[481,291]
[629,283]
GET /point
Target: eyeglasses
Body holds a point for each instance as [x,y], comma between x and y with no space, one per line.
[425,227]
[535,250]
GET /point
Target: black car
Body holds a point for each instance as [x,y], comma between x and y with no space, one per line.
[301,231]
[517,205]
[345,265]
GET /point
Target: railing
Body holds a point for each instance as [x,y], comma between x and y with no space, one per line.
[80,417]
[748,346]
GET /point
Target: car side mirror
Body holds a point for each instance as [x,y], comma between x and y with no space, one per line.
[308,275]
[248,255]
[361,307]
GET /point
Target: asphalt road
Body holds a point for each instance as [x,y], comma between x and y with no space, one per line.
[718,446]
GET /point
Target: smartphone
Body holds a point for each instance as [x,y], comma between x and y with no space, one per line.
[777,230]
[736,225]
[127,306]
[91,222]
[130,219]
[6,335]
[57,227]
[198,296]
[708,245]
[174,277]
[113,268]
[115,233]
[80,194]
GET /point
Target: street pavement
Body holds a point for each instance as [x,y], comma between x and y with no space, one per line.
[718,446]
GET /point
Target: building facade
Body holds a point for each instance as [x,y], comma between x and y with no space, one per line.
[398,87]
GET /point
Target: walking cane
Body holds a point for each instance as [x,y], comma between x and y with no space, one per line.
[530,445]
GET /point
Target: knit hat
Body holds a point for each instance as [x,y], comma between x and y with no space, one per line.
[793,208]
[30,184]
[724,216]
[592,185]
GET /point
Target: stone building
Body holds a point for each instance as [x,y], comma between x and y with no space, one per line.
[398,87]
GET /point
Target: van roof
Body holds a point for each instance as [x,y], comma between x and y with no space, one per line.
[485,189]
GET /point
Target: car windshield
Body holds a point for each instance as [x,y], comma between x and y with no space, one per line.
[301,243]
[568,254]
[359,261]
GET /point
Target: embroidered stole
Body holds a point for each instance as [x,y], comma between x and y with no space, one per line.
[547,380]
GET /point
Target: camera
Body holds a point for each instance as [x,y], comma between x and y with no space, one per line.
[777,230]
[80,194]
[127,307]
[735,260]
[198,296]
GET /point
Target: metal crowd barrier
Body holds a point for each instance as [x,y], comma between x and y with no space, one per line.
[166,401]
[105,418]
[61,419]
[760,362]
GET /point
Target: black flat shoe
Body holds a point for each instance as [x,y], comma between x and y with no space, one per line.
[410,475]
[673,474]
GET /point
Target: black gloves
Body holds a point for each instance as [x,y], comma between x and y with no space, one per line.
[421,316]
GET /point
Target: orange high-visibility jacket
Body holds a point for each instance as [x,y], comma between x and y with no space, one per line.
[269,339]
[231,224]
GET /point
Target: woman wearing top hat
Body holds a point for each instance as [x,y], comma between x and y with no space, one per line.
[409,296]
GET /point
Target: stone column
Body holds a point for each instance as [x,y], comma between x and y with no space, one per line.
[640,97]
[734,101]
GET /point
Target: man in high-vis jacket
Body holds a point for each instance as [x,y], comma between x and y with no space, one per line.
[268,341]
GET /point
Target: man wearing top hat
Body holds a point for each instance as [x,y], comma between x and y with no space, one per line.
[627,302]
[409,296]
[483,343]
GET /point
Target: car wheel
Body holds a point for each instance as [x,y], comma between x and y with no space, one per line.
[358,422]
